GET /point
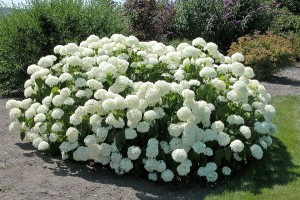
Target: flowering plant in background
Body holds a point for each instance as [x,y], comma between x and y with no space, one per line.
[146,108]
[221,21]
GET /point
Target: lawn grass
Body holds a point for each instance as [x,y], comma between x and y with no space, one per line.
[277,176]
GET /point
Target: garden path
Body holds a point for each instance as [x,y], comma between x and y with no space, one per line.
[285,82]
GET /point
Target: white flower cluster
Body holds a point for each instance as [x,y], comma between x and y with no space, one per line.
[146,107]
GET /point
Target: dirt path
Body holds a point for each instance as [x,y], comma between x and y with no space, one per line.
[286,82]
[26,174]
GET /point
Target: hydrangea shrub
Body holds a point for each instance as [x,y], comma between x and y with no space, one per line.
[146,108]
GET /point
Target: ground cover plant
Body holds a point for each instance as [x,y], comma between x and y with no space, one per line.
[146,108]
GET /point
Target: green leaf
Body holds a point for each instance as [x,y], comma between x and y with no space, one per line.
[202,92]
[109,78]
[39,82]
[194,156]
[222,110]
[228,154]
[22,135]
[120,139]
[116,116]
[54,90]
[219,155]
[111,136]
[188,68]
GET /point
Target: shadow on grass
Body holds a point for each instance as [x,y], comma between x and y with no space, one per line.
[276,168]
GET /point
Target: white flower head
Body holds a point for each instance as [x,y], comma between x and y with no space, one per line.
[43,146]
[226,170]
[256,151]
[143,127]
[72,134]
[184,114]
[208,72]
[217,126]
[81,154]
[179,155]
[130,133]
[167,175]
[199,42]
[245,130]
[237,146]
[237,57]
[134,152]
[57,113]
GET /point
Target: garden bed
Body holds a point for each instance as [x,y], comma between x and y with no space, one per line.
[26,174]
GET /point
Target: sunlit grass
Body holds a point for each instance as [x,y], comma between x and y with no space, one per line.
[277,176]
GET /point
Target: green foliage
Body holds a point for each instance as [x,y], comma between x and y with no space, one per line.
[221,21]
[292,5]
[266,54]
[176,42]
[288,25]
[296,45]
[33,30]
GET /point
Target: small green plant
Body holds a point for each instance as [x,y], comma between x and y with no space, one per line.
[5,166]
[6,188]
[266,54]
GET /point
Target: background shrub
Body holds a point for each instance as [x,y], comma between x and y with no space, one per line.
[292,5]
[221,21]
[296,45]
[176,42]
[149,19]
[287,25]
[32,31]
[266,54]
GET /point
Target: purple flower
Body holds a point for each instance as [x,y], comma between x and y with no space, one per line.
[237,22]
[228,15]
[228,3]
[260,8]
[170,6]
